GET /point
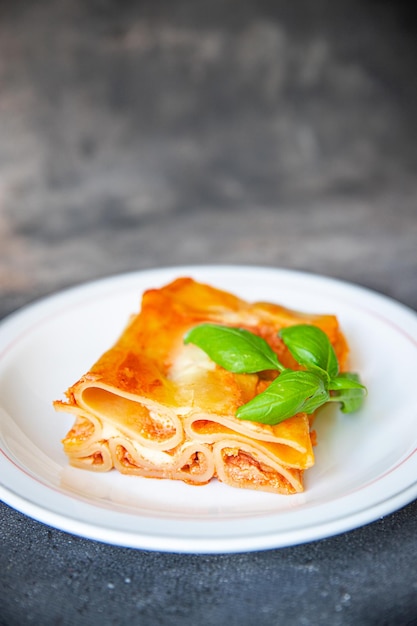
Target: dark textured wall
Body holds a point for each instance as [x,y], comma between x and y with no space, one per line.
[138,134]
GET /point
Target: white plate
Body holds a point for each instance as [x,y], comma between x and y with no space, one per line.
[366,463]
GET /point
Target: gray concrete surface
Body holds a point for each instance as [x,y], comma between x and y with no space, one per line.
[138,135]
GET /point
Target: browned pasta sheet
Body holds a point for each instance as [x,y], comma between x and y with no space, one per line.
[152,406]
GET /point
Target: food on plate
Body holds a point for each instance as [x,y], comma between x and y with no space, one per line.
[202,384]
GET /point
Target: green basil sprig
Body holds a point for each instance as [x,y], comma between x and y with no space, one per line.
[293,391]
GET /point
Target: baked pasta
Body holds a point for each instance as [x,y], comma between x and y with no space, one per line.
[156,407]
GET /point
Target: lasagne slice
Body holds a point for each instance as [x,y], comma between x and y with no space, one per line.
[152,406]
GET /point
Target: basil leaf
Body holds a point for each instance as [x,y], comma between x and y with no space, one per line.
[290,393]
[346,380]
[349,391]
[235,349]
[311,347]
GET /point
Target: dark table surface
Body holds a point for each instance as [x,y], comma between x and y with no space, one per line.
[150,134]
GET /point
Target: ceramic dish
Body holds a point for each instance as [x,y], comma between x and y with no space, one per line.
[366,463]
